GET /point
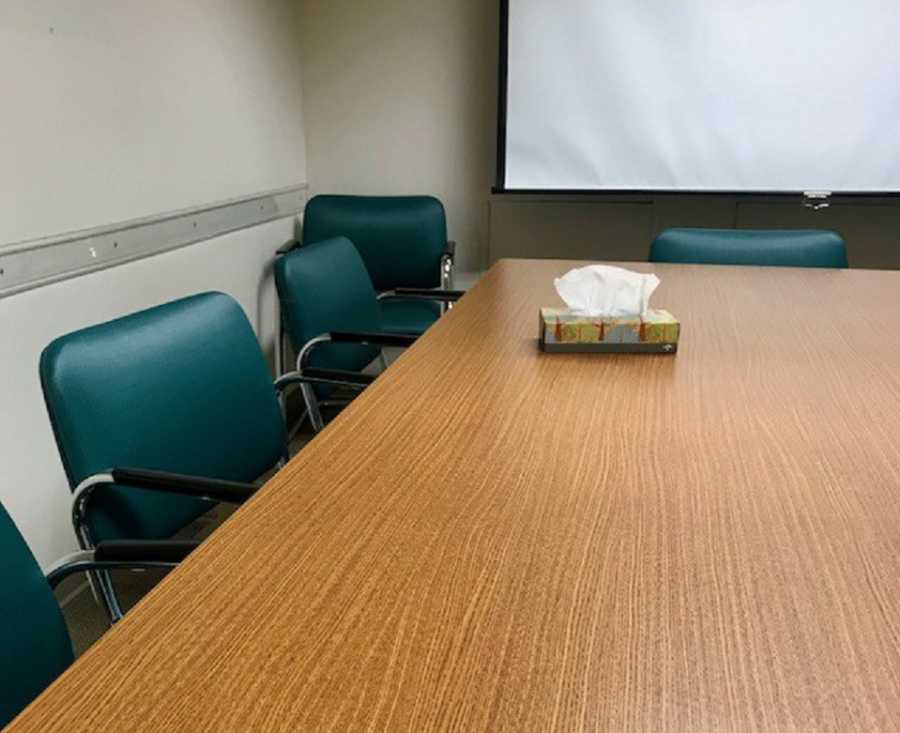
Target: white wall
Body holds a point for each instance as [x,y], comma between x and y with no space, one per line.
[118,109]
[400,98]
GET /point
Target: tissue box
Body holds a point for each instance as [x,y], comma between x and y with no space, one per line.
[564,331]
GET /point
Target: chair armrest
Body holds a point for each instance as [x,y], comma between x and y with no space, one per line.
[230,492]
[171,551]
[337,376]
[450,249]
[333,377]
[216,490]
[121,554]
[372,339]
[445,296]
[401,340]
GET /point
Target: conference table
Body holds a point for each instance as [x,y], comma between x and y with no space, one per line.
[495,539]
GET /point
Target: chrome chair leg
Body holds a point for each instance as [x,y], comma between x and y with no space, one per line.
[104,593]
[297,425]
[103,590]
[312,407]
[446,280]
[100,582]
[110,600]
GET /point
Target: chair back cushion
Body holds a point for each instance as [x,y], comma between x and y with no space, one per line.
[776,247]
[325,287]
[181,387]
[400,238]
[33,635]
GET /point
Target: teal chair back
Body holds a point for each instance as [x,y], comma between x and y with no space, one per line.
[401,238]
[325,287]
[182,387]
[777,247]
[33,635]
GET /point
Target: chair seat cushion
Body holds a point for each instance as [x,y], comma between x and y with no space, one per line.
[408,316]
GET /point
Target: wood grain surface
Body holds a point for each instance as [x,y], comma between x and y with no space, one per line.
[494,539]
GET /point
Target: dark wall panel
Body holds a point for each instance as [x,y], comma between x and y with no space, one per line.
[570,229]
[582,228]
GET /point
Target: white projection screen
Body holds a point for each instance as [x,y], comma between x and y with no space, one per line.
[701,95]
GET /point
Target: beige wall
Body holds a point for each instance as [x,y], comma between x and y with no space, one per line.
[399,97]
[117,110]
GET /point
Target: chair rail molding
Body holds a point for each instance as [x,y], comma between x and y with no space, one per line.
[37,262]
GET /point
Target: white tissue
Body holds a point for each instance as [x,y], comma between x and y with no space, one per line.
[609,292]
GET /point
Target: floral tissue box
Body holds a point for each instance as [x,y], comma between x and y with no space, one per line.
[564,331]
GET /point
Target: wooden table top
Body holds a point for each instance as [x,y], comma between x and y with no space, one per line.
[494,539]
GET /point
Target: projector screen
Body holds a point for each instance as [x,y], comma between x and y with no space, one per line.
[700,95]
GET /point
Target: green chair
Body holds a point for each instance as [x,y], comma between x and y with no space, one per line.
[403,243]
[777,247]
[159,415]
[331,313]
[33,635]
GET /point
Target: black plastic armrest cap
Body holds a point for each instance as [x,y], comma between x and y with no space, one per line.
[444,295]
[168,551]
[375,339]
[199,486]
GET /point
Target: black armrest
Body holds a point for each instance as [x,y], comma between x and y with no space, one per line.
[122,555]
[286,247]
[231,492]
[333,377]
[450,249]
[135,551]
[446,296]
[337,376]
[373,339]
